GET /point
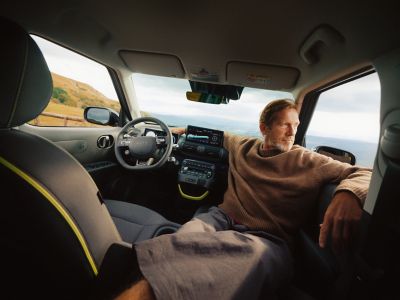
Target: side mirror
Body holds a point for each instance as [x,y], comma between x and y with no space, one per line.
[101,116]
[338,154]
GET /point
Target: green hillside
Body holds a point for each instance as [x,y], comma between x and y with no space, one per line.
[73,93]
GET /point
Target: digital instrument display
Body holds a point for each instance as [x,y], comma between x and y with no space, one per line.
[205,136]
[154,132]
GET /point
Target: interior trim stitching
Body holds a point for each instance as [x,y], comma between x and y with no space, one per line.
[55,203]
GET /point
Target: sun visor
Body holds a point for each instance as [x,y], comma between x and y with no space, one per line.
[153,63]
[261,76]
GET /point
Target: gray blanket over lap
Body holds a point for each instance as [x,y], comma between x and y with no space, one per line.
[211,257]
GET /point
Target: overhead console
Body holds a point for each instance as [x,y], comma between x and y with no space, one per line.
[203,142]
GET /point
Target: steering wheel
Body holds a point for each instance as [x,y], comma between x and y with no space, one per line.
[137,152]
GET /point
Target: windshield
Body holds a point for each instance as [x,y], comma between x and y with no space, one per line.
[165,98]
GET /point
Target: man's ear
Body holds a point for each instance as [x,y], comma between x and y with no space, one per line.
[263,129]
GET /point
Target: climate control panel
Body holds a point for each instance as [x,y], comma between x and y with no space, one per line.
[197,172]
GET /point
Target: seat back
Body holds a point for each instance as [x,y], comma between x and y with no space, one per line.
[55,228]
[316,269]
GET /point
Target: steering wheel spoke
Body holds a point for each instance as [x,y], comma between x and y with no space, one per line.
[161,141]
[148,162]
[123,143]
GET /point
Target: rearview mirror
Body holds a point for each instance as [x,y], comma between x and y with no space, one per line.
[213,93]
[101,116]
[338,154]
[206,98]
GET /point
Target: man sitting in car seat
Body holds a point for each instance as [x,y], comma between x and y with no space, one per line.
[243,247]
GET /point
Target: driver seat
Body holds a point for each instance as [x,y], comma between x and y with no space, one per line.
[137,223]
[56,230]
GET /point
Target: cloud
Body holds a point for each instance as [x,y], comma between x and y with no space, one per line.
[168,96]
[349,125]
[361,95]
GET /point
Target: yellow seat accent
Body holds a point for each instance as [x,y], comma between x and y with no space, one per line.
[195,198]
[55,203]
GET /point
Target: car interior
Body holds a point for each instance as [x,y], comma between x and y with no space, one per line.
[75,199]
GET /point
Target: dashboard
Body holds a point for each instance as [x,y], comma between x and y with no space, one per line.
[198,142]
[200,155]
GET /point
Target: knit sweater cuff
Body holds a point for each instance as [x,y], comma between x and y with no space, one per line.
[360,196]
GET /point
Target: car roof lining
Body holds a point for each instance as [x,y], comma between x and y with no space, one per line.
[269,33]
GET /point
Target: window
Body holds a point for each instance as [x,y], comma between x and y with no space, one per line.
[347,117]
[78,82]
[165,98]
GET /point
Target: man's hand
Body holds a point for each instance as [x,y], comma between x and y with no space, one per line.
[178,130]
[341,221]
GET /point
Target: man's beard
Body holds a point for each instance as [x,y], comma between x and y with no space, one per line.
[282,147]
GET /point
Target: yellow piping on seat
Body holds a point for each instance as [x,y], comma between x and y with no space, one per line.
[195,198]
[55,203]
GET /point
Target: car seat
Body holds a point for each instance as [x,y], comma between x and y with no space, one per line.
[56,230]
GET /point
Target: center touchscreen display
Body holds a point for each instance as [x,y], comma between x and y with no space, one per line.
[205,136]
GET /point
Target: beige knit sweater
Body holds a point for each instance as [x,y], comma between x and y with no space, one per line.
[277,193]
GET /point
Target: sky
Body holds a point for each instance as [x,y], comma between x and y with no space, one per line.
[168,95]
[69,64]
[349,111]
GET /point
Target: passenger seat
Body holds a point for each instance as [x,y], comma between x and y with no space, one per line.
[137,223]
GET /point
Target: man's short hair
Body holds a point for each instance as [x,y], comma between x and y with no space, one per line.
[268,114]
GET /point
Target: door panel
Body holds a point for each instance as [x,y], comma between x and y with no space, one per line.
[82,143]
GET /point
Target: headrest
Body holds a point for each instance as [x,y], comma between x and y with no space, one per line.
[25,79]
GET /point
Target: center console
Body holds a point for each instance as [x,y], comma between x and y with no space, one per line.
[203,153]
[197,172]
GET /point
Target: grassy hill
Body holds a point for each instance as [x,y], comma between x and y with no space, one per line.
[70,98]
[73,93]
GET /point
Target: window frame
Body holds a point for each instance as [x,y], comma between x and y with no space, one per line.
[124,113]
[310,101]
